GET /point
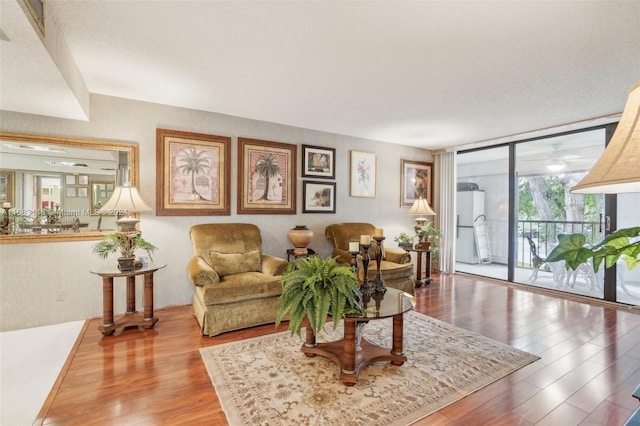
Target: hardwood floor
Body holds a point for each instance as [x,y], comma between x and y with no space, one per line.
[589,367]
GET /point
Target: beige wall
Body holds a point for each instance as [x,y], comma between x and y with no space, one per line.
[34,276]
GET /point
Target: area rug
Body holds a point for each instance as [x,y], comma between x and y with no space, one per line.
[269,381]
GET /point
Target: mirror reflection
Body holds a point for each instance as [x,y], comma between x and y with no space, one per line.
[54,188]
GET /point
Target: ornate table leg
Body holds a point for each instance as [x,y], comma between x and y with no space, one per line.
[107,306]
[396,349]
[131,295]
[148,300]
[349,348]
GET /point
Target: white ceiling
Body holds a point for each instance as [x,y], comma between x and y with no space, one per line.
[429,74]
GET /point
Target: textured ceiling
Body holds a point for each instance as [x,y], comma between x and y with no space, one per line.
[428,74]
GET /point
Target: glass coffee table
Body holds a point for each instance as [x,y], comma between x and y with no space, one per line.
[352,353]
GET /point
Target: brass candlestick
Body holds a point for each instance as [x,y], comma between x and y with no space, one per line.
[365,288]
[378,283]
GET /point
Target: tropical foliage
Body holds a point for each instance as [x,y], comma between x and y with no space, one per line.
[404,239]
[623,243]
[267,167]
[194,162]
[124,242]
[316,287]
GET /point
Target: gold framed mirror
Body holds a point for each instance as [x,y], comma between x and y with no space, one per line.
[51,187]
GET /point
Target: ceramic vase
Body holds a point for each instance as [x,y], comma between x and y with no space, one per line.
[300,237]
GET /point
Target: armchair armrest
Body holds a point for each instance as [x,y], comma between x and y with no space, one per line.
[343,256]
[397,255]
[273,266]
[200,273]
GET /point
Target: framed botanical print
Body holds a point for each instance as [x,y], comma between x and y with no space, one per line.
[363,174]
[416,181]
[318,197]
[318,162]
[193,172]
[266,177]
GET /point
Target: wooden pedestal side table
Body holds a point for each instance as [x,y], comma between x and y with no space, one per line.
[353,353]
[131,317]
[420,280]
[291,253]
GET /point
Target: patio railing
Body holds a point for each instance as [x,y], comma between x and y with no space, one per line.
[544,234]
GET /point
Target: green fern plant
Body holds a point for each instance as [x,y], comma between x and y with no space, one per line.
[316,287]
[124,242]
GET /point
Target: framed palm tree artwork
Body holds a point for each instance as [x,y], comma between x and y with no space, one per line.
[266,181]
[193,174]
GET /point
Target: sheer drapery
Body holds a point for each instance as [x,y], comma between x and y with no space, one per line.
[446,163]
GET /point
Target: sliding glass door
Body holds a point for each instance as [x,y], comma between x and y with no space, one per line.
[545,171]
[514,200]
[482,212]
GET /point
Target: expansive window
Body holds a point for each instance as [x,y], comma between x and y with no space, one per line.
[521,192]
[482,216]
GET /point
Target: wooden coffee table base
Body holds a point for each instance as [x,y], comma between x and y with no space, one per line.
[343,352]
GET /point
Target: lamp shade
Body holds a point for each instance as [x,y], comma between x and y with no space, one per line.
[125,199]
[618,168]
[420,207]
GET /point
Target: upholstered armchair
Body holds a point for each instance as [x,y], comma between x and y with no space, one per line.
[396,267]
[236,285]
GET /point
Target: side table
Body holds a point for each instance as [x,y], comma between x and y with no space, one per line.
[420,281]
[131,317]
[291,253]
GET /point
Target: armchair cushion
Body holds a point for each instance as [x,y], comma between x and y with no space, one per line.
[235,263]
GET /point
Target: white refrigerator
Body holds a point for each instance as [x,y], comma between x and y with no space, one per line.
[470,205]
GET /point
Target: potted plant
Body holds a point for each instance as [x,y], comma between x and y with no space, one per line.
[126,243]
[428,236]
[314,288]
[404,240]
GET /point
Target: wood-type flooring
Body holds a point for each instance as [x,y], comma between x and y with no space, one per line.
[589,366]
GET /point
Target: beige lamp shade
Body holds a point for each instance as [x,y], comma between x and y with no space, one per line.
[420,207]
[618,169]
[125,200]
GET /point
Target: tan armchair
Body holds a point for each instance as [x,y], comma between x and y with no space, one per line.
[237,286]
[396,267]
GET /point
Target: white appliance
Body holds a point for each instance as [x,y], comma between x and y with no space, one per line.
[470,205]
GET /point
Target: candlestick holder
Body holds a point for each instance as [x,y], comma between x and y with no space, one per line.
[378,282]
[5,220]
[365,287]
[354,262]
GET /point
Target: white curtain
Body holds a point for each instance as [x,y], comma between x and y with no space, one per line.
[446,164]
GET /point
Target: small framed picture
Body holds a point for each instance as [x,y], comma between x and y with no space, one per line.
[71,192]
[319,197]
[70,180]
[318,162]
[83,180]
[416,182]
[83,192]
[363,174]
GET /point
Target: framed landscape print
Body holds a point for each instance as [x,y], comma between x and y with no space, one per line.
[416,182]
[363,174]
[192,174]
[266,177]
[318,197]
[318,162]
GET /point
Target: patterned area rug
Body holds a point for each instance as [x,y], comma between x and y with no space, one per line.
[269,381]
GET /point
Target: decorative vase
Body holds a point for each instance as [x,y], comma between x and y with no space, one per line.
[300,237]
[126,263]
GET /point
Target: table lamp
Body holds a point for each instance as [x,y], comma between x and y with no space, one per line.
[124,201]
[421,208]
